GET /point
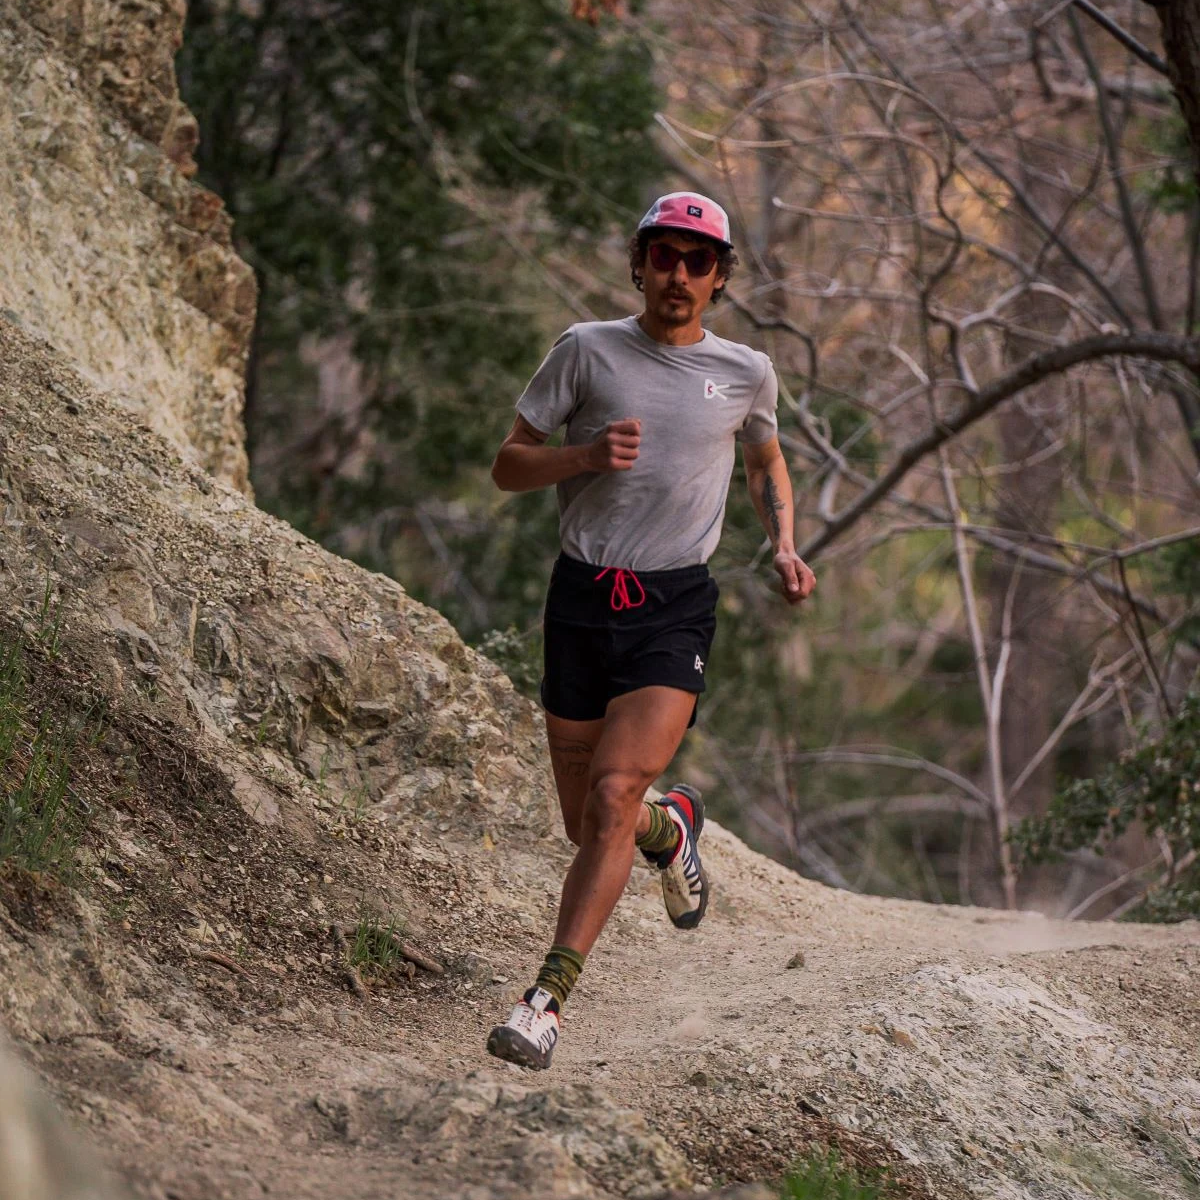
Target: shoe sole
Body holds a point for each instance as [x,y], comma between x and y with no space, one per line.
[506,1044]
[692,919]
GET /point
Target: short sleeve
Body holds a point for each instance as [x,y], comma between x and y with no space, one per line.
[760,424]
[550,396]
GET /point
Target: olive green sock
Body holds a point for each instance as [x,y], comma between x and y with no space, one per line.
[663,833]
[560,972]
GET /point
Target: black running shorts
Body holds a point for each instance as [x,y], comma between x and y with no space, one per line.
[624,630]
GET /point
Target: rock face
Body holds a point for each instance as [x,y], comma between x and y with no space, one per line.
[39,1158]
[108,250]
[290,744]
[254,639]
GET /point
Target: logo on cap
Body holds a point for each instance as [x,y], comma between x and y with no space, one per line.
[694,210]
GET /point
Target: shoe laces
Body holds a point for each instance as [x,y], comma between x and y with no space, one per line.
[525,1016]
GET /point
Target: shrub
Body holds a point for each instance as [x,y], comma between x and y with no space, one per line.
[1156,783]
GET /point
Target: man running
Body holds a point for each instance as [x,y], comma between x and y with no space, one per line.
[652,406]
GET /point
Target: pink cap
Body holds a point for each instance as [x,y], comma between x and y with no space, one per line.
[691,212]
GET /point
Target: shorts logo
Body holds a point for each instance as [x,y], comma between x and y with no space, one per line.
[715,391]
[699,664]
[694,210]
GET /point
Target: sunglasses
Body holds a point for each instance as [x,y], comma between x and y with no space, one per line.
[664,257]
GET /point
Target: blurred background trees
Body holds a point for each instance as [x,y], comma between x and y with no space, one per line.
[399,175]
[970,240]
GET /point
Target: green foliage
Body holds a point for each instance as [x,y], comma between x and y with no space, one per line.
[826,1176]
[1177,569]
[1156,783]
[374,950]
[849,428]
[1174,187]
[517,654]
[40,819]
[375,156]
[377,159]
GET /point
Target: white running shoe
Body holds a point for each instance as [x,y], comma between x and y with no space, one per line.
[529,1036]
[684,882]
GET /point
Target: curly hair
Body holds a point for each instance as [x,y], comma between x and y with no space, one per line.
[727,258]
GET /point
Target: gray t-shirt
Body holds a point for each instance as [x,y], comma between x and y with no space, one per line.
[693,401]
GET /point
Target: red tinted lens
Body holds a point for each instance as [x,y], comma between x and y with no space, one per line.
[699,262]
[664,257]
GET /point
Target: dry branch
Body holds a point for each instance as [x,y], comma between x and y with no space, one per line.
[1123,36]
[215,956]
[1162,347]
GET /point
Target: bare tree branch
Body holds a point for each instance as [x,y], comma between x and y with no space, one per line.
[868,756]
[1166,878]
[1123,36]
[889,806]
[1163,347]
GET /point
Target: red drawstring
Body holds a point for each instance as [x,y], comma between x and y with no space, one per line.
[620,592]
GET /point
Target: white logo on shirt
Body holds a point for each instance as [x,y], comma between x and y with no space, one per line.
[699,664]
[715,391]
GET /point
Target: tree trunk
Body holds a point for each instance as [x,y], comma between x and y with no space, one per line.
[1181,42]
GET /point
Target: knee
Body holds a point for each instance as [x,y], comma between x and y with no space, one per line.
[612,805]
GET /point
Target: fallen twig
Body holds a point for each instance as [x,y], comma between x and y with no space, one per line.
[349,972]
[222,960]
[418,959]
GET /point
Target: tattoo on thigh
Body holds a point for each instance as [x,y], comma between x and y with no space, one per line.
[571,757]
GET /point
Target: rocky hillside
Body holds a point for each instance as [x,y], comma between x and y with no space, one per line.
[276,743]
[107,249]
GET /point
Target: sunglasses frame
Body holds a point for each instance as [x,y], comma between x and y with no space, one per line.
[691,259]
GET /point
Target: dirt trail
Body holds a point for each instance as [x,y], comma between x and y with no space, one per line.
[999,1054]
[928,1028]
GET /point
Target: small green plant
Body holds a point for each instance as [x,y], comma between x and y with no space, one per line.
[825,1175]
[517,654]
[374,949]
[1157,784]
[49,621]
[40,818]
[356,802]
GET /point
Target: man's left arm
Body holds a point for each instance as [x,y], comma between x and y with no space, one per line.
[771,492]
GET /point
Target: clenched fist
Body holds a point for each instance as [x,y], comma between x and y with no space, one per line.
[616,449]
[798,579]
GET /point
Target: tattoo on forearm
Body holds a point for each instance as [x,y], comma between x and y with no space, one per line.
[773,503]
[570,759]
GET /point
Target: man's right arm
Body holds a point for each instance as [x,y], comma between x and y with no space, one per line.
[525,463]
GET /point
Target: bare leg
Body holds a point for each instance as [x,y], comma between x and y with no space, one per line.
[642,730]
[572,745]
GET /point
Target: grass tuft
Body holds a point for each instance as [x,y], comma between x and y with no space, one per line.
[40,816]
[825,1175]
[373,949]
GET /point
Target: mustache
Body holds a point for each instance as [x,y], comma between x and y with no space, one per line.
[677,294]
